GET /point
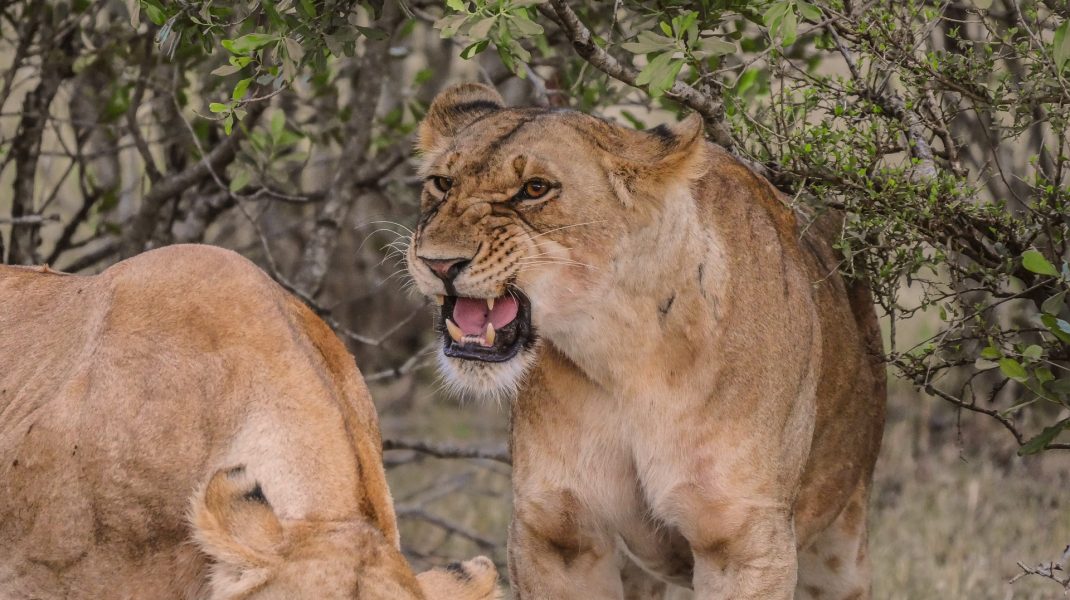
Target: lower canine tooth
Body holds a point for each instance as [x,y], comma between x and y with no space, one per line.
[440,300]
[488,336]
[455,331]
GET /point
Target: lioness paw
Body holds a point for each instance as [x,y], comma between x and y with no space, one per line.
[475,579]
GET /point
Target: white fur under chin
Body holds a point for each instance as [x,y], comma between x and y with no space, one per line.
[486,381]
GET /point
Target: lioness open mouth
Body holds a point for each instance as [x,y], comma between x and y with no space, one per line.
[485,329]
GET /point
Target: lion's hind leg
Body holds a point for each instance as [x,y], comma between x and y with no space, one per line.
[835,565]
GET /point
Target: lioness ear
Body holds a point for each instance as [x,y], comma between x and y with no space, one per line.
[653,158]
[234,524]
[678,150]
[453,110]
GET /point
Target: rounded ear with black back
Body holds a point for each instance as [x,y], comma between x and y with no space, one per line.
[651,159]
[234,524]
[454,109]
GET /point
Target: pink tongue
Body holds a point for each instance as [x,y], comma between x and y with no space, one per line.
[471,314]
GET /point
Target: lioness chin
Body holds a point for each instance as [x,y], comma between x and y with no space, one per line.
[697,390]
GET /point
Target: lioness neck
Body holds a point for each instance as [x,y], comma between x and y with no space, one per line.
[659,304]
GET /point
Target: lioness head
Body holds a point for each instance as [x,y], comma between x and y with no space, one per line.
[258,556]
[524,215]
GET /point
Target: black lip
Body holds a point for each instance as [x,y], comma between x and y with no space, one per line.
[510,339]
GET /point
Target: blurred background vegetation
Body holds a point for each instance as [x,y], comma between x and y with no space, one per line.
[283,130]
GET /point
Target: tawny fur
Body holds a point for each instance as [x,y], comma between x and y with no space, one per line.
[180,427]
[706,398]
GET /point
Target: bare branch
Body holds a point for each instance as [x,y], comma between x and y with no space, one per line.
[144,221]
[711,109]
[415,512]
[27,144]
[499,453]
[312,268]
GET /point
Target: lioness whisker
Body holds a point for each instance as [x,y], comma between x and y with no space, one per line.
[395,223]
[565,227]
[380,230]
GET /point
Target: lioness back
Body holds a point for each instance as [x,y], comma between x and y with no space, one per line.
[123,393]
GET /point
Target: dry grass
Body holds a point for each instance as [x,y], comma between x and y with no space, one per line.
[954,511]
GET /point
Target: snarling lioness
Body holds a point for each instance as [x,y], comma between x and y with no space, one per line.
[698,389]
[179,427]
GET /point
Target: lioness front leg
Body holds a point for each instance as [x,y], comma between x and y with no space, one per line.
[744,553]
[555,555]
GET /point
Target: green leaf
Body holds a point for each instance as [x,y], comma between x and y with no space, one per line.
[991,353]
[482,28]
[1056,326]
[1033,352]
[474,49]
[278,123]
[225,70]
[372,33]
[717,47]
[808,11]
[1043,374]
[457,5]
[648,42]
[664,76]
[1054,305]
[249,42]
[1013,369]
[774,14]
[228,124]
[655,65]
[746,80]
[788,28]
[216,107]
[1060,46]
[524,27]
[687,21]
[293,49]
[1034,261]
[448,26]
[1044,438]
[240,180]
[241,88]
[154,12]
[665,27]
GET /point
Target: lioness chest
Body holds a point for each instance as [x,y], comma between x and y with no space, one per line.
[589,462]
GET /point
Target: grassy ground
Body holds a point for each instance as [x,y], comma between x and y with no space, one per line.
[953,508]
[953,512]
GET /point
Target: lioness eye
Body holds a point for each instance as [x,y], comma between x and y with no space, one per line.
[443,184]
[535,188]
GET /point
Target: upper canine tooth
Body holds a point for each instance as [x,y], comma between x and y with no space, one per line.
[455,331]
[488,336]
[490,303]
[440,299]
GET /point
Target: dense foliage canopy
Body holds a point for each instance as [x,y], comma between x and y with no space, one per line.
[942,129]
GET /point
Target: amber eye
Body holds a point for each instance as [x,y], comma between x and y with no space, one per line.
[443,184]
[534,189]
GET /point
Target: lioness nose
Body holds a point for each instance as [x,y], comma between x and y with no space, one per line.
[447,269]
